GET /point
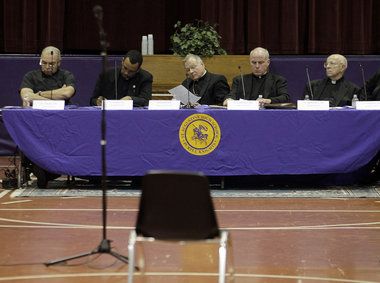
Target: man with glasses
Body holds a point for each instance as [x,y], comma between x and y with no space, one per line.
[48,82]
[334,87]
[129,82]
[261,84]
[212,88]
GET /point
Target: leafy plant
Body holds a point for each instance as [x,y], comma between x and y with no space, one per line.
[198,38]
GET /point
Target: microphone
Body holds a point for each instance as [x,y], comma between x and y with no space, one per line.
[98,12]
[309,83]
[115,75]
[52,58]
[364,83]
[188,105]
[242,82]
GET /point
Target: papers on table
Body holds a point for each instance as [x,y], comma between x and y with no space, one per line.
[184,95]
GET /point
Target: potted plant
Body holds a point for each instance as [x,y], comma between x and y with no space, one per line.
[198,38]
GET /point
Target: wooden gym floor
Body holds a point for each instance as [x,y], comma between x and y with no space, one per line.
[274,240]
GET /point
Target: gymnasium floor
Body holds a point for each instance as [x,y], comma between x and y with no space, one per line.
[275,239]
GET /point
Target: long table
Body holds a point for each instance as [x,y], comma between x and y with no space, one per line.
[216,142]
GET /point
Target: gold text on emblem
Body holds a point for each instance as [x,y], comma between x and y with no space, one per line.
[199,134]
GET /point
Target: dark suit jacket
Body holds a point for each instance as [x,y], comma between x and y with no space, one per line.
[214,89]
[372,87]
[139,88]
[343,96]
[275,88]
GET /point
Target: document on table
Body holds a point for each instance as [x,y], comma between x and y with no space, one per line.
[184,95]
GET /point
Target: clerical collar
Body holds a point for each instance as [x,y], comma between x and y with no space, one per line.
[260,77]
[201,77]
[336,81]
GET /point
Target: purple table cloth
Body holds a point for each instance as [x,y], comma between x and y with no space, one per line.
[264,142]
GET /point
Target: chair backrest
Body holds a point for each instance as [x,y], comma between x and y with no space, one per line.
[176,205]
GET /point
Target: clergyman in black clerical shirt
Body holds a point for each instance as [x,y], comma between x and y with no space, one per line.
[334,88]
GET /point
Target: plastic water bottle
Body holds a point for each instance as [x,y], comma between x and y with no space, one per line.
[150,44]
[261,104]
[354,99]
[144,45]
[307,97]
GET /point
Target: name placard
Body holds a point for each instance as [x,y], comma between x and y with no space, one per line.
[368,105]
[313,105]
[118,104]
[164,104]
[49,104]
[243,105]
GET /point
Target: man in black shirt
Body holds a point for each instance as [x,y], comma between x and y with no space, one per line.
[372,88]
[212,88]
[272,88]
[334,87]
[130,82]
[48,82]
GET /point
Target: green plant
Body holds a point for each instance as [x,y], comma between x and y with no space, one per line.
[198,38]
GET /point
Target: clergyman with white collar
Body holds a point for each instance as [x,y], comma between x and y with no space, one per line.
[334,88]
[212,88]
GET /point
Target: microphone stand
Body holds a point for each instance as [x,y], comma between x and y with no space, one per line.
[188,104]
[105,245]
[309,83]
[364,82]
[242,82]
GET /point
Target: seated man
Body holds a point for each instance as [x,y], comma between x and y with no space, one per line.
[131,83]
[372,88]
[212,88]
[334,87]
[272,88]
[48,82]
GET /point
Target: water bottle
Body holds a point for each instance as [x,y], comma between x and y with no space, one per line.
[307,97]
[354,99]
[261,104]
[150,44]
[144,45]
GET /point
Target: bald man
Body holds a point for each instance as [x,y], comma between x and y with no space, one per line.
[334,87]
[273,88]
[48,82]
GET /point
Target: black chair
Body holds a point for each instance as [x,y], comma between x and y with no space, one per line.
[177,207]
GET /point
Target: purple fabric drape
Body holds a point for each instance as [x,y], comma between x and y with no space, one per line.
[142,140]
[282,26]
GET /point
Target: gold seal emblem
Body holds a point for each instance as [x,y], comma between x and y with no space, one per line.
[199,134]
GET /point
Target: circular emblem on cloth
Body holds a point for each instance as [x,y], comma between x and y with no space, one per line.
[199,134]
